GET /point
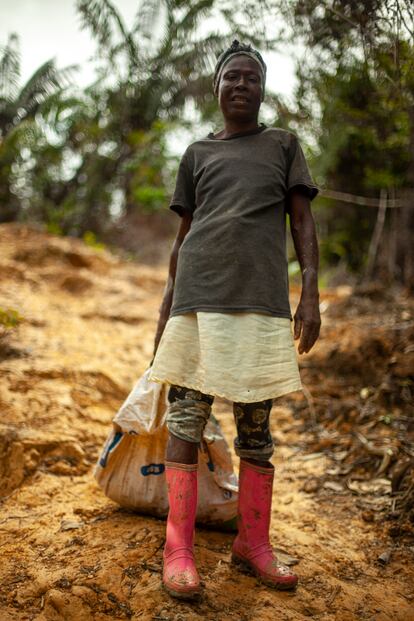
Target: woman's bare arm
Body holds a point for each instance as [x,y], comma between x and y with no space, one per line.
[307,317]
[165,307]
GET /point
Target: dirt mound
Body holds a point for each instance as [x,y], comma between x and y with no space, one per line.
[357,353]
[359,407]
[69,554]
[55,251]
[22,452]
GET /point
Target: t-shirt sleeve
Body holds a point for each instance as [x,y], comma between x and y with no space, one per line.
[183,199]
[298,172]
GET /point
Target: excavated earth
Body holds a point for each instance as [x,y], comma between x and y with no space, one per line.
[68,553]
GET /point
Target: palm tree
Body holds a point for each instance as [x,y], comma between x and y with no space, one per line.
[149,71]
[112,144]
[18,108]
[162,60]
[21,103]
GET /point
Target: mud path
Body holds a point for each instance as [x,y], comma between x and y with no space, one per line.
[70,554]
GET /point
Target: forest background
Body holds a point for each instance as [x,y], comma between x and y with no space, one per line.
[94,162]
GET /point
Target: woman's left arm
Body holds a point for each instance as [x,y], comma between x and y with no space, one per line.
[307,319]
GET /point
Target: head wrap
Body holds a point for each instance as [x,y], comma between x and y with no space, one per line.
[236,49]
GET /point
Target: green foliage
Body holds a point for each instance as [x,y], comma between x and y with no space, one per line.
[294,268]
[53,228]
[9,318]
[19,131]
[79,162]
[150,197]
[17,104]
[356,88]
[91,240]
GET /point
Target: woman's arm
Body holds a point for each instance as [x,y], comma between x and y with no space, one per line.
[165,307]
[307,317]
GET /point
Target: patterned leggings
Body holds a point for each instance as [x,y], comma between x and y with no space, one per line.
[189,411]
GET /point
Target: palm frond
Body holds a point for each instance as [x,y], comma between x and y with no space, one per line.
[105,22]
[44,82]
[25,134]
[57,107]
[200,56]
[7,114]
[196,12]
[147,18]
[94,18]
[10,68]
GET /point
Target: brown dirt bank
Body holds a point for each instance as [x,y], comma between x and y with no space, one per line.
[70,554]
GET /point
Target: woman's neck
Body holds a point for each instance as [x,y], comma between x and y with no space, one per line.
[236,127]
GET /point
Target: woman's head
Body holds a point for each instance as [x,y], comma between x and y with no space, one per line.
[239,82]
[239,49]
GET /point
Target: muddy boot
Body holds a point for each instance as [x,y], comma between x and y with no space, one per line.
[180,577]
[251,548]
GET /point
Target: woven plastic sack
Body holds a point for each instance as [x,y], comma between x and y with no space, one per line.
[131,467]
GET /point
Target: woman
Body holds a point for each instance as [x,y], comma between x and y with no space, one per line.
[225,317]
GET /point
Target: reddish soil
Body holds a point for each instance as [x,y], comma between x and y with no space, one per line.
[70,554]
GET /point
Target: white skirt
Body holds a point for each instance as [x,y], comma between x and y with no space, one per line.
[243,357]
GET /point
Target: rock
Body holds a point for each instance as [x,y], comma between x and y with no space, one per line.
[11,461]
[385,557]
[333,486]
[311,486]
[76,284]
[70,525]
[23,451]
[62,605]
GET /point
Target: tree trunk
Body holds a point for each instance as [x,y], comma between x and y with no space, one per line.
[376,236]
[407,215]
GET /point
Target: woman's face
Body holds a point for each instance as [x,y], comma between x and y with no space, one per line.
[240,89]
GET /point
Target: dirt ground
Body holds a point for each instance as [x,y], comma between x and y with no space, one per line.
[70,554]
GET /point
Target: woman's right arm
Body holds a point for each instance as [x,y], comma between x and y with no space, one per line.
[165,307]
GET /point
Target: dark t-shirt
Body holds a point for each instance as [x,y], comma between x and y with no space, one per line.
[234,256]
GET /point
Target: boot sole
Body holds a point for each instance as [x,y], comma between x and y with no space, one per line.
[245,566]
[187,595]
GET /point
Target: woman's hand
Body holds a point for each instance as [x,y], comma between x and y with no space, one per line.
[307,321]
[307,317]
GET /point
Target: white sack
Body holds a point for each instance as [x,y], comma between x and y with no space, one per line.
[131,468]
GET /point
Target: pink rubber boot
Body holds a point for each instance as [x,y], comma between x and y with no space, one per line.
[251,548]
[180,577]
